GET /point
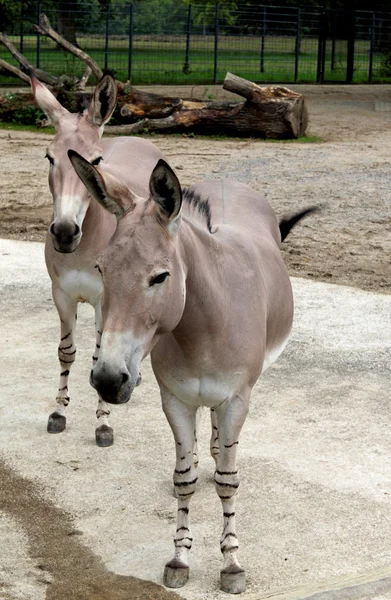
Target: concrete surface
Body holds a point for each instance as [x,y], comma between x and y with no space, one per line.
[313,510]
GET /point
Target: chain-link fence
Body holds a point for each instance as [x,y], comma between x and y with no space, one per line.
[147,43]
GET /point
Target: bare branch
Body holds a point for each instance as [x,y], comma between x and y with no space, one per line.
[42,75]
[45,28]
[7,68]
[81,86]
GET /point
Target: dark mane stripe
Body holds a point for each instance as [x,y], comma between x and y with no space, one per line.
[201,205]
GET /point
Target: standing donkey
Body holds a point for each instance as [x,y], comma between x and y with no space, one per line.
[81,229]
[211,302]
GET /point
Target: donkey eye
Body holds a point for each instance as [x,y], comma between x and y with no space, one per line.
[50,158]
[159,278]
[96,161]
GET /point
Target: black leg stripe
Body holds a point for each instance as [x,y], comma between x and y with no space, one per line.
[184,483]
[224,497]
[67,362]
[189,494]
[230,485]
[185,510]
[62,389]
[183,538]
[225,548]
[230,445]
[66,336]
[182,472]
[226,472]
[229,515]
[98,345]
[64,374]
[214,427]
[66,347]
[67,353]
[183,528]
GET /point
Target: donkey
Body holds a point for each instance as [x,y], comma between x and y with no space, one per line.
[81,229]
[213,305]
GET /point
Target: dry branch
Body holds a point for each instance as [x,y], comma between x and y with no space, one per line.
[42,75]
[45,28]
[8,69]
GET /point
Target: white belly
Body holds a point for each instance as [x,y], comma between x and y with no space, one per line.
[81,286]
[210,391]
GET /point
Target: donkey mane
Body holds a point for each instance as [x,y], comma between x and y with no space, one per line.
[200,204]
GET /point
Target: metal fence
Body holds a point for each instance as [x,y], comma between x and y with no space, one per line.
[199,44]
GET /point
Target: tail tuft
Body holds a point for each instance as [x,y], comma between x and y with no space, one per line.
[287,224]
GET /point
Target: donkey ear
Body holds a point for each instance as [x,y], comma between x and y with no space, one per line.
[104,187]
[103,101]
[166,191]
[47,102]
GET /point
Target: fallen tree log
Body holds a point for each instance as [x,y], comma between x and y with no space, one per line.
[267,112]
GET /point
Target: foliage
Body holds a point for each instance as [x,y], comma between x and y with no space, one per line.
[19,108]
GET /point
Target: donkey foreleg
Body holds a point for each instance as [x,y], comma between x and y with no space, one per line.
[230,419]
[182,420]
[66,354]
[214,438]
[104,435]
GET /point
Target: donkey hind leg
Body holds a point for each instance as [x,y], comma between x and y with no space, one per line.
[182,420]
[66,354]
[214,438]
[230,420]
[104,435]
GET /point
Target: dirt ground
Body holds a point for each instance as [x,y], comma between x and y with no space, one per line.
[347,175]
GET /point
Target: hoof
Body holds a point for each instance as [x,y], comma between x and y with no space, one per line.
[139,379]
[176,574]
[104,436]
[56,423]
[233,581]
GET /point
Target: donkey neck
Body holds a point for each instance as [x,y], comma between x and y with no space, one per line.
[98,227]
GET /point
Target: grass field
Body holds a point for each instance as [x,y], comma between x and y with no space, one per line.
[161,59]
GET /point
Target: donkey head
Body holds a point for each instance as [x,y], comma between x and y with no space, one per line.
[142,272]
[80,131]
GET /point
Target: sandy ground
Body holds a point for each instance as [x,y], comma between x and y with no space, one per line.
[86,523]
[347,175]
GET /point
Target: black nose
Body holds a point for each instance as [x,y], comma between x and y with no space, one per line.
[110,384]
[64,233]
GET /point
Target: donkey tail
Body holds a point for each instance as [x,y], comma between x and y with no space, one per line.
[287,224]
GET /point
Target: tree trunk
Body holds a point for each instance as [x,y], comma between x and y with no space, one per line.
[66,21]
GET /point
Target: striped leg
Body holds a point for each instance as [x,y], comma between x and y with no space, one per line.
[214,438]
[230,420]
[104,435]
[182,420]
[66,354]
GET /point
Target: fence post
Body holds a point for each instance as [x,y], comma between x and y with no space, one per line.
[372,47]
[321,48]
[39,39]
[333,34]
[262,65]
[350,56]
[297,45]
[216,43]
[107,35]
[130,55]
[21,26]
[186,66]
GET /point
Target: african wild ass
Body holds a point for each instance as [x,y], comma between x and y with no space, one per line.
[81,229]
[196,279]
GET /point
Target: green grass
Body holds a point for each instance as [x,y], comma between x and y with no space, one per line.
[19,127]
[160,59]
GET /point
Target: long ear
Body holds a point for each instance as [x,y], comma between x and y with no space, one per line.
[115,197]
[103,101]
[166,191]
[47,102]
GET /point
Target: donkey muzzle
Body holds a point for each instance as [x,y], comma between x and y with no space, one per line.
[114,387]
[65,236]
